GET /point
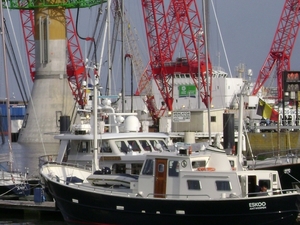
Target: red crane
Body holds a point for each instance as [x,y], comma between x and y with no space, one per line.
[282,46]
[163,31]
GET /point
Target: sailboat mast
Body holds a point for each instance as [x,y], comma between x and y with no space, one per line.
[206,65]
[109,48]
[6,82]
[109,55]
[95,165]
[241,121]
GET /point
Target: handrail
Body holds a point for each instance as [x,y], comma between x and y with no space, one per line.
[282,154]
[44,159]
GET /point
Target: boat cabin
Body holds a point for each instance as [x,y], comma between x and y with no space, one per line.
[203,175]
[121,152]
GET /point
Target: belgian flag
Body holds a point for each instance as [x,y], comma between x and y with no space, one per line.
[266,111]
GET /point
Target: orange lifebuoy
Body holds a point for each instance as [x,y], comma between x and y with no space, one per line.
[233,168]
[206,169]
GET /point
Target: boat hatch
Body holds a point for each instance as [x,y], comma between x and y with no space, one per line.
[73,179]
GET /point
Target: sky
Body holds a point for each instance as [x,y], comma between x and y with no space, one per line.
[247,29]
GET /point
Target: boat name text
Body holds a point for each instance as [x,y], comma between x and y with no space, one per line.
[257,205]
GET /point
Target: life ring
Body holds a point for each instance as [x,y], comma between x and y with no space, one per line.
[206,169]
[233,168]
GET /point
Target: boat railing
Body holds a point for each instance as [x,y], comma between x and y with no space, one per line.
[169,196]
[100,189]
[289,156]
[292,190]
[44,159]
[51,159]
[273,192]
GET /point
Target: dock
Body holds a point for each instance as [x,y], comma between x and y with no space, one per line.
[28,205]
[23,209]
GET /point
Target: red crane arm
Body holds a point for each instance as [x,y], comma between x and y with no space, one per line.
[173,40]
[27,20]
[282,46]
[169,45]
[190,28]
[159,44]
[75,67]
[163,30]
[155,21]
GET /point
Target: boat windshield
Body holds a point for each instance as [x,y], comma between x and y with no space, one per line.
[161,143]
[148,167]
[145,144]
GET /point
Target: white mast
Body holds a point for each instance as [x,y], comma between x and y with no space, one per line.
[206,65]
[241,122]
[95,165]
[6,87]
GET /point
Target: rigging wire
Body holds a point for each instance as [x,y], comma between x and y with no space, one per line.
[221,37]
[100,30]
[14,65]
[116,25]
[85,38]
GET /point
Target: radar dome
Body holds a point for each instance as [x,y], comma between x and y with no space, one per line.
[132,124]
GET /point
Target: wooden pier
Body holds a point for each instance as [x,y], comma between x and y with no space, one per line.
[28,205]
[23,209]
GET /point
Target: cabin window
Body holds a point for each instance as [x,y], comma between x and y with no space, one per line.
[173,168]
[161,143]
[134,145]
[146,146]
[274,178]
[119,168]
[193,184]
[223,185]
[122,146]
[232,163]
[264,182]
[83,146]
[161,168]
[136,168]
[213,119]
[197,164]
[148,167]
[105,147]
[154,144]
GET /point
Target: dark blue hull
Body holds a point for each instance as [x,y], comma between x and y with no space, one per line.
[78,206]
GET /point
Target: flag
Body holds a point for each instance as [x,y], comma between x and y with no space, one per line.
[266,111]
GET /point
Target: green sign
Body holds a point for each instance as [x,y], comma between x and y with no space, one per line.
[187,91]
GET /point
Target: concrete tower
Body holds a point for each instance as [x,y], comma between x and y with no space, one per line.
[51,94]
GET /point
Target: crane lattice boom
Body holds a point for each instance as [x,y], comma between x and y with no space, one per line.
[282,47]
[164,29]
